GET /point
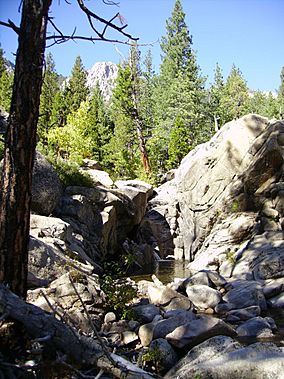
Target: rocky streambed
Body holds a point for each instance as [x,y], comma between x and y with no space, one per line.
[201,326]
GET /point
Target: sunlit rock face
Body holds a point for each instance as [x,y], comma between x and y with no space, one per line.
[103,73]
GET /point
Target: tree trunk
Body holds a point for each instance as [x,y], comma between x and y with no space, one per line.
[20,146]
[142,145]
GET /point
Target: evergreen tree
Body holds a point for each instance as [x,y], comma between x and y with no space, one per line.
[281,95]
[216,92]
[129,122]
[50,89]
[99,126]
[6,83]
[235,100]
[147,95]
[264,104]
[179,91]
[76,89]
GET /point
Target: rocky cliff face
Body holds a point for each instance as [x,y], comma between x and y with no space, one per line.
[105,74]
[226,202]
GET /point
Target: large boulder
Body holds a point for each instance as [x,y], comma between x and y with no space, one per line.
[225,193]
[199,330]
[222,358]
[46,187]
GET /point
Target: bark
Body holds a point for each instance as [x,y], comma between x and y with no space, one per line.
[15,196]
[58,336]
[142,144]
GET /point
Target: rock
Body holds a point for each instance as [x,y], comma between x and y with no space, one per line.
[162,295]
[197,331]
[178,303]
[257,327]
[202,296]
[146,313]
[243,314]
[167,357]
[222,358]
[245,293]
[109,317]
[277,301]
[166,326]
[99,177]
[46,187]
[129,337]
[273,287]
[145,332]
[62,296]
[41,226]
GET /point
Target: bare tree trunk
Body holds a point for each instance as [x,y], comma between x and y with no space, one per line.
[142,144]
[20,146]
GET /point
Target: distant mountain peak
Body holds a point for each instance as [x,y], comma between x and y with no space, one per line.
[105,74]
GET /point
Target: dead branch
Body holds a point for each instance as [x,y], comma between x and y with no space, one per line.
[108,23]
[11,25]
[79,349]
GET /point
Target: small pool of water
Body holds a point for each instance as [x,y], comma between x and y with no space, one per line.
[166,271]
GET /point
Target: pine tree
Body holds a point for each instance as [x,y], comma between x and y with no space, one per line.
[50,89]
[76,89]
[280,96]
[6,83]
[216,92]
[99,127]
[235,100]
[129,122]
[179,92]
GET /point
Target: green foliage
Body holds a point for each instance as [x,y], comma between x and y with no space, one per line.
[179,93]
[230,256]
[235,206]
[76,89]
[179,143]
[280,96]
[127,146]
[49,94]
[69,173]
[6,83]
[119,292]
[153,356]
[234,102]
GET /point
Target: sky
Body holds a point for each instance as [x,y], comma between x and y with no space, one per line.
[247,33]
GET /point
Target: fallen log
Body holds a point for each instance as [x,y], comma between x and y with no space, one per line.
[53,333]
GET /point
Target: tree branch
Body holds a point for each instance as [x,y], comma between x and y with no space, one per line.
[91,15]
[11,25]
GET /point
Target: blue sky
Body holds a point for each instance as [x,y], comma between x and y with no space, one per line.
[247,33]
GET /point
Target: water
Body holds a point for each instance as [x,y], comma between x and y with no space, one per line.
[166,271]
